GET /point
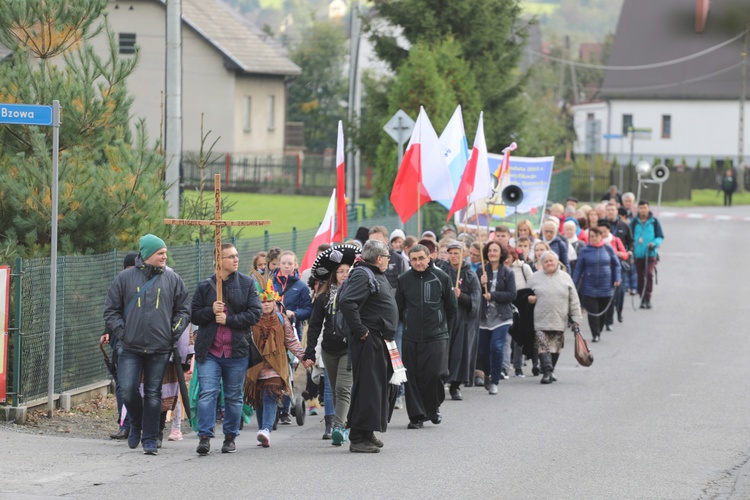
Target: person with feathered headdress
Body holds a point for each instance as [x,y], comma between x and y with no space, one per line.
[266,382]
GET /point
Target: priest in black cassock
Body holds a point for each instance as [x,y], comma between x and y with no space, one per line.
[372,316]
[464,327]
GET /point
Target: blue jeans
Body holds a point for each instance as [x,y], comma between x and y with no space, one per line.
[211,372]
[491,343]
[266,414]
[327,396]
[144,413]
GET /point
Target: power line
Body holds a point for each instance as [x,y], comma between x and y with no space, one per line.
[673,84]
[640,66]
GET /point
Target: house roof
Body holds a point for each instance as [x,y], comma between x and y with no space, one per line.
[654,32]
[236,38]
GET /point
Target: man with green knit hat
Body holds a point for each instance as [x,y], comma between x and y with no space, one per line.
[147,309]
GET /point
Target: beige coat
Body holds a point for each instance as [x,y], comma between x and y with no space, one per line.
[556,298]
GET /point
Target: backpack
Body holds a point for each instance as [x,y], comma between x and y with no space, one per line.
[341,329]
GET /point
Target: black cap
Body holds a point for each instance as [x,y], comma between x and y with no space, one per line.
[129,260]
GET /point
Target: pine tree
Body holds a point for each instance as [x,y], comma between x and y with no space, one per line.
[110,188]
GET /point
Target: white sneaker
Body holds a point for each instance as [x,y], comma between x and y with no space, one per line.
[264,438]
[399,403]
[493,389]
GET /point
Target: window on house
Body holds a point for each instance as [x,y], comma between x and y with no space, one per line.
[666,126]
[271,114]
[127,43]
[589,116]
[627,124]
[246,108]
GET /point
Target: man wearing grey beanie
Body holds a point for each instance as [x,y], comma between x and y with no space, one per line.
[147,309]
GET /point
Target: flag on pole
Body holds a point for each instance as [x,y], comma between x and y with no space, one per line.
[475,183]
[324,235]
[423,168]
[455,150]
[503,170]
[341,230]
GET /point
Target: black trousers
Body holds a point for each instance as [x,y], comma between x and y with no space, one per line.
[595,305]
[426,364]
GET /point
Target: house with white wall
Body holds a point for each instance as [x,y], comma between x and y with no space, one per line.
[231,75]
[675,76]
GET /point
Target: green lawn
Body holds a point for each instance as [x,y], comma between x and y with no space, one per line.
[709,198]
[284,211]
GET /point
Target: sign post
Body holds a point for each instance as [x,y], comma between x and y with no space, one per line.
[593,131]
[44,116]
[400,127]
[4,313]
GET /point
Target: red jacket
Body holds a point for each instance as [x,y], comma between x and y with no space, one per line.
[619,248]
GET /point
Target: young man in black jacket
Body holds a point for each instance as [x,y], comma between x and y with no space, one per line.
[222,347]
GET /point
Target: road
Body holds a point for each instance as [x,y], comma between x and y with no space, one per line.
[663,413]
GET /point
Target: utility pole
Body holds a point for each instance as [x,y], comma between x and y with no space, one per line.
[173,111]
[561,87]
[573,79]
[741,141]
[352,158]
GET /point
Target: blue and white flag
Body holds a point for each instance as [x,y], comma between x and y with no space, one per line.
[456,151]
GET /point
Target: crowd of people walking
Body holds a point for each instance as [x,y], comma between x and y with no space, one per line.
[384,321]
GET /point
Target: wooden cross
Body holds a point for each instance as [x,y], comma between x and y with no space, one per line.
[218,224]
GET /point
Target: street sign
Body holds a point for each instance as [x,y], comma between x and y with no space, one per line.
[593,131]
[26,114]
[399,127]
[612,136]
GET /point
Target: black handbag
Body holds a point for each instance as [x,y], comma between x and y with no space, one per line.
[255,356]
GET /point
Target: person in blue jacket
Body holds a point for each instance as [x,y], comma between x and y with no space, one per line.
[598,271]
[295,303]
[648,237]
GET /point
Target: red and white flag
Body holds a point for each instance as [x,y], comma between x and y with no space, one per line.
[503,171]
[475,182]
[341,230]
[423,170]
[324,235]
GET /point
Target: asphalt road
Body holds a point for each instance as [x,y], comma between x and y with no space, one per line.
[663,413]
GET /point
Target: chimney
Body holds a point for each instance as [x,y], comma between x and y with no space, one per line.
[701,13]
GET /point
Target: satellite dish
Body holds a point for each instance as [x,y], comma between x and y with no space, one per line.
[512,195]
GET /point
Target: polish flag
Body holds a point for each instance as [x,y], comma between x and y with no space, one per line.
[324,235]
[341,222]
[423,175]
[455,150]
[475,183]
[503,171]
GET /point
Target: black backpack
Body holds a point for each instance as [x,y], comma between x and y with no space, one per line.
[341,328]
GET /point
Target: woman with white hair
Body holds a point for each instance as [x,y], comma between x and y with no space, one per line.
[555,305]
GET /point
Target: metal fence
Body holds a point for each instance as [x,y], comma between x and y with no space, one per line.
[307,174]
[83,282]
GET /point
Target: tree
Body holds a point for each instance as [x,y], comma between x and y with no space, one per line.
[315,97]
[491,38]
[111,187]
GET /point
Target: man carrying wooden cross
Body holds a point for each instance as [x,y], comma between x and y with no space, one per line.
[224,322]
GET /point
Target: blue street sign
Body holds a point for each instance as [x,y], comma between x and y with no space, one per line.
[612,136]
[26,114]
